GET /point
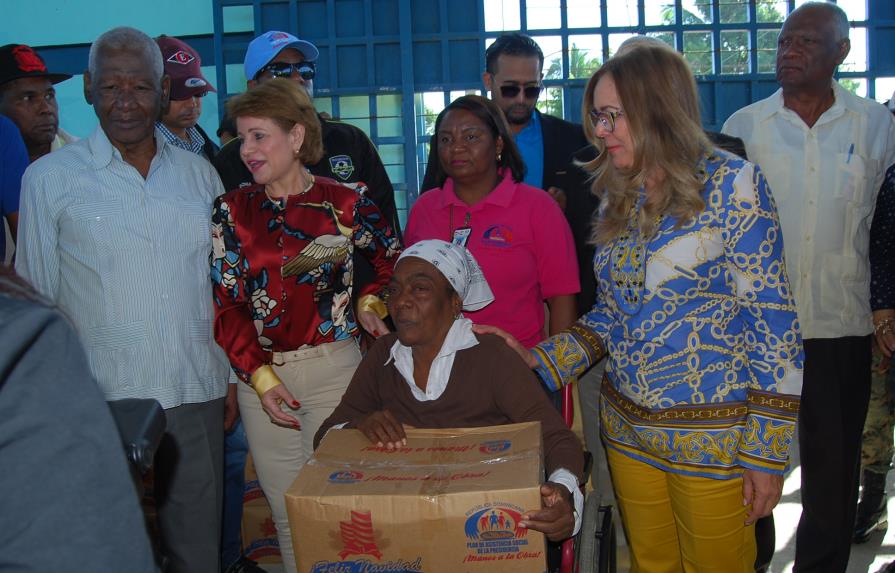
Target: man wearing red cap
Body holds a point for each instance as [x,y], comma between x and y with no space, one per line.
[180,121]
[28,98]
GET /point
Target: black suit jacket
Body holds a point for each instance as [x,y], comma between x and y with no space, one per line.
[564,148]
[210,149]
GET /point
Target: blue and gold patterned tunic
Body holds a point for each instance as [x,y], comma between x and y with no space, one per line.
[705,354]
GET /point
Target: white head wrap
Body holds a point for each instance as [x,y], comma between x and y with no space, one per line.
[459,267]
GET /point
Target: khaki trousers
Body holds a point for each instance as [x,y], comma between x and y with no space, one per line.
[317,376]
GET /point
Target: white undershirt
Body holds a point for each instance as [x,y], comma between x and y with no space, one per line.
[461,337]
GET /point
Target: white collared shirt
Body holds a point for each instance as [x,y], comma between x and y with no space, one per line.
[62,139]
[461,337]
[126,259]
[825,180]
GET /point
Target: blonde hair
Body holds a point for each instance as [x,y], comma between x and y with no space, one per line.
[658,95]
[285,103]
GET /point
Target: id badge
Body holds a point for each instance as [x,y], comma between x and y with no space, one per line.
[461,235]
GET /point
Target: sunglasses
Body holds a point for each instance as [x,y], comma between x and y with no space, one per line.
[531,92]
[307,70]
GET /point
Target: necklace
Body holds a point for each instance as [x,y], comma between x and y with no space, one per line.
[302,192]
[627,263]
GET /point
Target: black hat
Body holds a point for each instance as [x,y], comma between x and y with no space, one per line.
[21,61]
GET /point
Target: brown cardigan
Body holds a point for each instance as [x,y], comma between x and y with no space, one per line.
[489,385]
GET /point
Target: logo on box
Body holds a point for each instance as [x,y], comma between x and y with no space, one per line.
[494,446]
[358,538]
[345,477]
[493,533]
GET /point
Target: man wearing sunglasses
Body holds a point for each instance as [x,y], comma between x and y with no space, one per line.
[349,154]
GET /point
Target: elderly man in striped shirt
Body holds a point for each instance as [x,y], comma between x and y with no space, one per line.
[115,229]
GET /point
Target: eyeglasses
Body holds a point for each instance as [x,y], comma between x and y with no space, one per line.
[605,119]
[307,70]
[531,92]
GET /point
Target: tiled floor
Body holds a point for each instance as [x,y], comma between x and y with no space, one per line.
[867,557]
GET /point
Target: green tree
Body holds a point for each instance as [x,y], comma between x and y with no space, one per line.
[850,84]
[582,64]
[697,45]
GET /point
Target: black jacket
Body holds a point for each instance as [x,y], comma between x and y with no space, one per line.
[210,149]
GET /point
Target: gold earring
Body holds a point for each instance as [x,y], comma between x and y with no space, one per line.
[499,155]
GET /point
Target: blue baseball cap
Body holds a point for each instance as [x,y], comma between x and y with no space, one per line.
[265,47]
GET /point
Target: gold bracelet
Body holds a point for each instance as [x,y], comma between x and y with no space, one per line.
[374,304]
[263,379]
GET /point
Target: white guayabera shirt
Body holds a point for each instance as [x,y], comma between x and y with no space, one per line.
[825,180]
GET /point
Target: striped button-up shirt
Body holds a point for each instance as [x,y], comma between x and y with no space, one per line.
[126,258]
[195,143]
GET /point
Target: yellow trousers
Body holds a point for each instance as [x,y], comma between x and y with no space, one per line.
[677,523]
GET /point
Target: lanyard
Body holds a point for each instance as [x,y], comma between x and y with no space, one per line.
[460,235]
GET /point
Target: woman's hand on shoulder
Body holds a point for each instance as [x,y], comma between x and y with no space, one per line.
[383,429]
[763,491]
[527,355]
[371,322]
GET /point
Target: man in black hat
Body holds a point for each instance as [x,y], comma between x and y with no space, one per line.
[28,98]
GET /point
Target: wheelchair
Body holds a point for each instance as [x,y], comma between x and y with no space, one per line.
[141,424]
[594,549]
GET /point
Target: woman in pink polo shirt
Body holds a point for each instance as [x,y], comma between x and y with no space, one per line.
[517,232]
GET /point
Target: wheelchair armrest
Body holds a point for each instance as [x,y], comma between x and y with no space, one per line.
[141,425]
[588,466]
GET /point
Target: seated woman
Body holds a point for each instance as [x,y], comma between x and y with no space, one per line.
[435,373]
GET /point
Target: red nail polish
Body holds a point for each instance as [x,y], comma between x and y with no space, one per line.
[295,404]
[375,333]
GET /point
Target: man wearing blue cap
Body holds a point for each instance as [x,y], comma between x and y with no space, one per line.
[349,155]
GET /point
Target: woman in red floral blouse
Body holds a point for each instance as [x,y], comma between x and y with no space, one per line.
[282,268]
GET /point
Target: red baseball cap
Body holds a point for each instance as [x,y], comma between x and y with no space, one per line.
[21,61]
[183,65]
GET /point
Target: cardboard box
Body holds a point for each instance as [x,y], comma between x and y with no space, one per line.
[259,534]
[449,501]
[252,492]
